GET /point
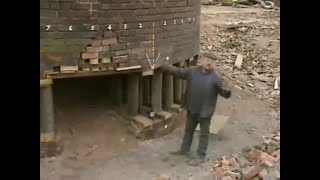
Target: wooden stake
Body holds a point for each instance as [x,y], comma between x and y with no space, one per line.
[133,94]
[156,92]
[167,90]
[46,114]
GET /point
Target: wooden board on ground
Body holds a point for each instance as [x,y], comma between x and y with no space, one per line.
[217,123]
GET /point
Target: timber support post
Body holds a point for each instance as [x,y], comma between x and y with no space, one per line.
[48,145]
[167,90]
[140,94]
[156,92]
[46,111]
[146,90]
[133,94]
[118,90]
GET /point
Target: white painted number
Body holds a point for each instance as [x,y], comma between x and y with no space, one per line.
[189,19]
[174,21]
[70,28]
[140,25]
[92,28]
[48,27]
[125,26]
[181,20]
[194,18]
[110,27]
[164,23]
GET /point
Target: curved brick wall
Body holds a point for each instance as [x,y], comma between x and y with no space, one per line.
[99,35]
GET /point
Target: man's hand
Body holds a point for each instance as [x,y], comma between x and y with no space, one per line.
[225,85]
[224,89]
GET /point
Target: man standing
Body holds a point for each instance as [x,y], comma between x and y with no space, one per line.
[203,87]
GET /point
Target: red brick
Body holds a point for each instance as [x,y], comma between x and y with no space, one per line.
[106,60]
[105,54]
[263,173]
[266,157]
[276,174]
[276,154]
[251,172]
[94,61]
[234,175]
[90,55]
[96,43]
[267,164]
[94,49]
[120,59]
[105,48]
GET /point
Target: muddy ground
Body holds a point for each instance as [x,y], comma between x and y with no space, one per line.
[97,144]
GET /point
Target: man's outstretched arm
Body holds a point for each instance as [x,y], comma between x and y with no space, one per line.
[222,88]
[182,73]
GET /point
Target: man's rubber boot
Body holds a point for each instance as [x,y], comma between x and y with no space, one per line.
[196,161]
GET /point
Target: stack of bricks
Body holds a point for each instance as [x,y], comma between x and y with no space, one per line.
[103,55]
[100,35]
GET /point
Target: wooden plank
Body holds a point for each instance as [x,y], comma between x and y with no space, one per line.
[128,68]
[89,74]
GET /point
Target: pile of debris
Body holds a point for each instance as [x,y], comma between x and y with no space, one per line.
[248,52]
[244,3]
[259,162]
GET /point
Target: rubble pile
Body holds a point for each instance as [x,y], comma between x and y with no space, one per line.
[259,162]
[248,51]
[244,3]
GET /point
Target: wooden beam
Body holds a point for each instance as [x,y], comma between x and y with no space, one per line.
[128,68]
[89,74]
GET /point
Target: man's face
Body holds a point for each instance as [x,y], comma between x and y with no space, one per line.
[206,63]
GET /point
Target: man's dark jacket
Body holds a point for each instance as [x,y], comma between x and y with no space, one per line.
[214,84]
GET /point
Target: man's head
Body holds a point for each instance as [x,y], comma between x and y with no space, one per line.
[207,61]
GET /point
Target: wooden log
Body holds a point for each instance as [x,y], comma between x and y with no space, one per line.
[46,115]
[147,90]
[133,94]
[140,93]
[118,91]
[167,90]
[156,92]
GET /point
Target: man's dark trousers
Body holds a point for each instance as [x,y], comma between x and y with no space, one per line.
[191,124]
